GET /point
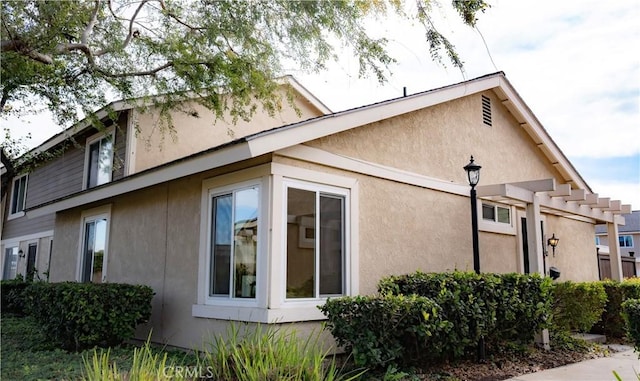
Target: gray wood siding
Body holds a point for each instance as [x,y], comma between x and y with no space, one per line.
[23,226]
[63,175]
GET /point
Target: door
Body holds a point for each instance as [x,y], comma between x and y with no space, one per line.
[31,261]
[526,256]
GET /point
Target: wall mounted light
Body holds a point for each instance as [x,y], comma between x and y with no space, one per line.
[553,242]
[20,253]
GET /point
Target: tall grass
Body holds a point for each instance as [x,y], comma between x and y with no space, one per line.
[266,353]
[255,353]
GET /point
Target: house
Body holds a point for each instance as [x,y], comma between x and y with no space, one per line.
[628,240]
[265,227]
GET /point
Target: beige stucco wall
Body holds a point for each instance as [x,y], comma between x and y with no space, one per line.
[155,146]
[438,141]
[576,252]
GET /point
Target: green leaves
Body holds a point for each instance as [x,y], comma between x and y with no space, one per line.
[83,315]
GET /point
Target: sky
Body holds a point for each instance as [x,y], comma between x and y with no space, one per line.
[575,63]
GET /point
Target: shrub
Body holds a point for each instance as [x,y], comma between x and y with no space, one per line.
[11,295]
[83,315]
[498,307]
[631,315]
[577,306]
[611,323]
[387,329]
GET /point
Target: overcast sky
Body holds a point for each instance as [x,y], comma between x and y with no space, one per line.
[575,63]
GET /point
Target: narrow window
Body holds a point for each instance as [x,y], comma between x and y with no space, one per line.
[234,244]
[18,195]
[94,256]
[99,161]
[315,244]
[10,263]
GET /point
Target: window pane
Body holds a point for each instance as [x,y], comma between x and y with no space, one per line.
[488,212]
[625,241]
[245,242]
[331,245]
[17,197]
[221,245]
[99,247]
[104,161]
[92,175]
[503,215]
[301,222]
[10,263]
[89,240]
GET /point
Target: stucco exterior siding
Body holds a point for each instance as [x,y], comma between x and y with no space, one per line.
[156,145]
[437,142]
[576,252]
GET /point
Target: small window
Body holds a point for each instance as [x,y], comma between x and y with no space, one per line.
[99,160]
[597,240]
[496,213]
[10,263]
[626,240]
[233,241]
[315,243]
[94,249]
[18,194]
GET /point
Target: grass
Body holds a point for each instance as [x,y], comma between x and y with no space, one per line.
[25,354]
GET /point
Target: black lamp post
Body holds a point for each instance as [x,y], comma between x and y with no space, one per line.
[473,174]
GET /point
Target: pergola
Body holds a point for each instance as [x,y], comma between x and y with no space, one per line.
[545,196]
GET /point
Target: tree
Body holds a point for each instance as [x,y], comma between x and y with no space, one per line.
[75,56]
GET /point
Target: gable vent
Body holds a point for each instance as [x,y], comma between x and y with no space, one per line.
[486,110]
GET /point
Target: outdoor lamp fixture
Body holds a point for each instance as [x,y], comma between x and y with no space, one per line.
[553,242]
[21,253]
[473,174]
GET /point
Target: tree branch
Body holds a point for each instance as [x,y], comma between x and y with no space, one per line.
[92,22]
[135,73]
[131,22]
[18,46]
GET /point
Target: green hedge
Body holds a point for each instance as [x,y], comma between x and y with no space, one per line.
[384,329]
[577,306]
[631,315]
[611,323]
[83,315]
[498,307]
[11,296]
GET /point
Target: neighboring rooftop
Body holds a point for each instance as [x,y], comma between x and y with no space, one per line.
[632,224]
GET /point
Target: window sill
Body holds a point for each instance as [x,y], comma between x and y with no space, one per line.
[15,215]
[497,227]
[285,314]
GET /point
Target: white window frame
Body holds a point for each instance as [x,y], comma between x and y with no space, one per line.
[220,191]
[108,133]
[318,189]
[87,216]
[493,226]
[270,305]
[19,213]
[626,235]
[228,308]
[14,248]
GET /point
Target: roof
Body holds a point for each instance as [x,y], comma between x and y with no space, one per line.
[279,138]
[632,224]
[128,104]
